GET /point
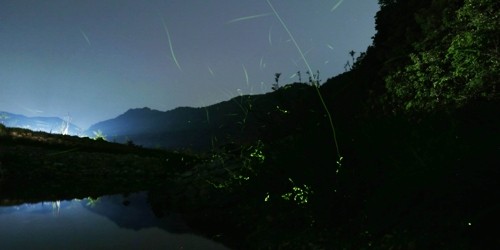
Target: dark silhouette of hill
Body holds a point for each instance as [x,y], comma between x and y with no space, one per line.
[239,120]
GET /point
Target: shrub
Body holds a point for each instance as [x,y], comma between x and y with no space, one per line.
[3,130]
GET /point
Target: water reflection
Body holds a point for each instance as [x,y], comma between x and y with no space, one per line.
[109,222]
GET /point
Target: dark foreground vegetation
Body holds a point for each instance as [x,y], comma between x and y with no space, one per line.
[37,166]
[416,167]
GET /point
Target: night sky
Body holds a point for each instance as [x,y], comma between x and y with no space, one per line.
[95,59]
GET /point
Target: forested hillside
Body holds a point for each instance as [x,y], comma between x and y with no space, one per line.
[434,55]
[414,161]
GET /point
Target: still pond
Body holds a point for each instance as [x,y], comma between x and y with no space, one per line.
[108,222]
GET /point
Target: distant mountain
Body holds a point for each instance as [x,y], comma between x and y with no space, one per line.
[239,120]
[184,127]
[53,125]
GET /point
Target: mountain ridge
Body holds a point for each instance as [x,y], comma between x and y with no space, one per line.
[237,120]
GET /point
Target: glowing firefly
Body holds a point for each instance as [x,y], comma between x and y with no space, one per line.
[170,44]
[336,5]
[210,70]
[246,73]
[249,17]
[85,37]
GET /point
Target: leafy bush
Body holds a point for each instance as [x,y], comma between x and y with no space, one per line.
[3,130]
[455,63]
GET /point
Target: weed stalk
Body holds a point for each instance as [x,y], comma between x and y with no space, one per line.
[316,86]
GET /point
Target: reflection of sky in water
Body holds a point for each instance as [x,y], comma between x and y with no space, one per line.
[82,224]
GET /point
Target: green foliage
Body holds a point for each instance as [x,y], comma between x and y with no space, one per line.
[91,202]
[249,161]
[474,51]
[455,62]
[3,130]
[98,135]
